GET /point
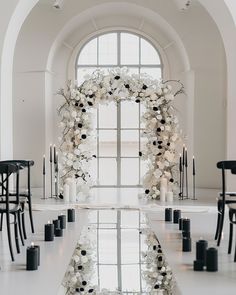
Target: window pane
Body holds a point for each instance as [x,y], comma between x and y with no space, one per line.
[107,216]
[149,54]
[108,271]
[88,55]
[129,49]
[107,171]
[107,246]
[93,170]
[129,246]
[82,72]
[129,171]
[131,278]
[129,143]
[108,116]
[107,51]
[129,219]
[155,73]
[129,114]
[107,143]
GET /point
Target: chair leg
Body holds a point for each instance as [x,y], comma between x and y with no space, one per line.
[16,234]
[9,235]
[235,253]
[1,221]
[217,226]
[23,220]
[30,214]
[20,228]
[221,224]
[230,237]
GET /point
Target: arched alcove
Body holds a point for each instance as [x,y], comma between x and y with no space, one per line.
[50,65]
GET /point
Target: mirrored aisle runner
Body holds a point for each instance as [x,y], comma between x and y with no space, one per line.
[118,254]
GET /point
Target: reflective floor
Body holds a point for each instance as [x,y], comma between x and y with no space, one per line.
[126,257]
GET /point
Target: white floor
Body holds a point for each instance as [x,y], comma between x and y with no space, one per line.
[55,256]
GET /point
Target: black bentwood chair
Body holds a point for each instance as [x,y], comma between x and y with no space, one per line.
[224,198]
[25,197]
[10,205]
[232,221]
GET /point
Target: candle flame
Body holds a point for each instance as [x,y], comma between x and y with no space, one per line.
[193,157]
[32,244]
[49,222]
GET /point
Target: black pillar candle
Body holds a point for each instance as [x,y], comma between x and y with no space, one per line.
[57,224]
[71,215]
[32,259]
[62,219]
[201,247]
[177,216]
[49,232]
[186,234]
[180,223]
[186,224]
[212,259]
[187,245]
[58,232]
[198,265]
[168,214]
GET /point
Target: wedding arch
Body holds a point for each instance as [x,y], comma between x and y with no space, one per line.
[160,121]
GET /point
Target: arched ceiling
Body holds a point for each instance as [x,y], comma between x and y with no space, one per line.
[78,19]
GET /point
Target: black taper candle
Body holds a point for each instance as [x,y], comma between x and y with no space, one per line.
[211,259]
[183,172]
[50,154]
[49,232]
[62,219]
[187,245]
[31,258]
[71,215]
[194,171]
[201,247]
[186,224]
[44,166]
[168,214]
[176,215]
[180,176]
[54,154]
[186,171]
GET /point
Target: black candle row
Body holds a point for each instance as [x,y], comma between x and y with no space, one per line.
[50,230]
[56,228]
[205,257]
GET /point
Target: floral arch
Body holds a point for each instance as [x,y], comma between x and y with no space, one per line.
[161,125]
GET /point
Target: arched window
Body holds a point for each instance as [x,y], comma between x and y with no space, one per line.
[118,49]
[119,126]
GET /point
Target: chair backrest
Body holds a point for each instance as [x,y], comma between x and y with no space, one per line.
[23,163]
[6,170]
[226,165]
